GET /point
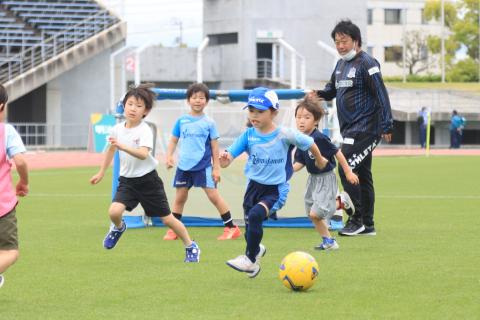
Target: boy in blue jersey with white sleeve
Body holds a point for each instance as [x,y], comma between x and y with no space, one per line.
[268,166]
[198,163]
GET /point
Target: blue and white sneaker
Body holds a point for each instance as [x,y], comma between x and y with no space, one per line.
[328,244]
[192,253]
[2,280]
[113,235]
[335,225]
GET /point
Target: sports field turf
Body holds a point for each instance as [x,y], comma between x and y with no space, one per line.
[423,264]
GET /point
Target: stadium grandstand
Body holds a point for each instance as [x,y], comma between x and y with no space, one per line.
[44,39]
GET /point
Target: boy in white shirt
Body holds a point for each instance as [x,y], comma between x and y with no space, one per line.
[139,181]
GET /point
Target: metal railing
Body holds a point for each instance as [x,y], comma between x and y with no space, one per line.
[37,134]
[61,41]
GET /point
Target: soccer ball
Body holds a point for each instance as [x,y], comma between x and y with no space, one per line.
[298,271]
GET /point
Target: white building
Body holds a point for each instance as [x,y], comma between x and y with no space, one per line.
[387,23]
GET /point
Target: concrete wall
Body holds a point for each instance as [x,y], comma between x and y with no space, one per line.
[74,95]
[302,24]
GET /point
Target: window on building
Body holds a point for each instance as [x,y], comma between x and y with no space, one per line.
[424,52]
[393,54]
[223,38]
[370,16]
[393,16]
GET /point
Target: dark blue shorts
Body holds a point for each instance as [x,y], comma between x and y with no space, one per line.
[257,192]
[187,179]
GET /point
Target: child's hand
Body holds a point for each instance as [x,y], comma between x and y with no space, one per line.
[224,159]
[170,162]
[321,163]
[96,178]
[216,175]
[113,141]
[21,189]
[352,178]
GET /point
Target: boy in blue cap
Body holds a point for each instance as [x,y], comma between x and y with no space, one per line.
[268,166]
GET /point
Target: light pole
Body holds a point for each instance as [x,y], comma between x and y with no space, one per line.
[404,45]
[442,37]
[200,49]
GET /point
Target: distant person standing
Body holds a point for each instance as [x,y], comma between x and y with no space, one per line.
[457,124]
[422,121]
[365,117]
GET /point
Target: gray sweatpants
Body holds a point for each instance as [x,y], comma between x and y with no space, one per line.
[321,194]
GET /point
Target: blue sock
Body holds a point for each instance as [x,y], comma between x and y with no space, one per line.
[254,233]
[327,240]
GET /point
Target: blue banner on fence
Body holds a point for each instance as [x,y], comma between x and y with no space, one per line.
[101,124]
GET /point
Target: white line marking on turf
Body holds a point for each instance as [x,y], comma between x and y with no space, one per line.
[437,197]
[426,197]
[69,195]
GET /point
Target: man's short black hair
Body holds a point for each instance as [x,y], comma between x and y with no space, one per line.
[348,28]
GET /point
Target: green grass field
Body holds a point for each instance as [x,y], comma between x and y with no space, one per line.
[423,264]
[471,87]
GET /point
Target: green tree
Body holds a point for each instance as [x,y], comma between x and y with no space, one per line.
[465,30]
[433,11]
[416,52]
[461,19]
[463,71]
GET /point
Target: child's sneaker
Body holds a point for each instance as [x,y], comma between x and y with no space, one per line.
[260,253]
[346,203]
[328,244]
[113,235]
[192,253]
[244,264]
[230,233]
[2,280]
[170,235]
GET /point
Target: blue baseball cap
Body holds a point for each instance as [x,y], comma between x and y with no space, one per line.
[262,99]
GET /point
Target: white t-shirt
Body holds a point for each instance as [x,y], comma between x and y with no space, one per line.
[139,136]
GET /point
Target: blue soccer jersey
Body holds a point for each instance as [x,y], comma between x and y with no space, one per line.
[269,159]
[195,135]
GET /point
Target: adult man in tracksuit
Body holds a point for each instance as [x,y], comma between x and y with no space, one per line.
[365,117]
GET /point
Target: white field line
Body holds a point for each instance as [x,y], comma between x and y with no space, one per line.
[407,197]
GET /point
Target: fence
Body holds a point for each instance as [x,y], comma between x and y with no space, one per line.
[44,135]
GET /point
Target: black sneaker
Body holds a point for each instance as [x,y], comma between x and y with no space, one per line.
[352,228]
[369,231]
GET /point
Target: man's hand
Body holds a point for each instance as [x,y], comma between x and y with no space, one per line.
[387,137]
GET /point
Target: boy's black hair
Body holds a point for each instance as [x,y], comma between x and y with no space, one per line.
[3,97]
[198,87]
[144,92]
[348,28]
[312,105]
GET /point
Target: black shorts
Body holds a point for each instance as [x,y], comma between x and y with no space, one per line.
[147,190]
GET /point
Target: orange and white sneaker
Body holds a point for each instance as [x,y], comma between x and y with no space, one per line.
[170,235]
[230,233]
